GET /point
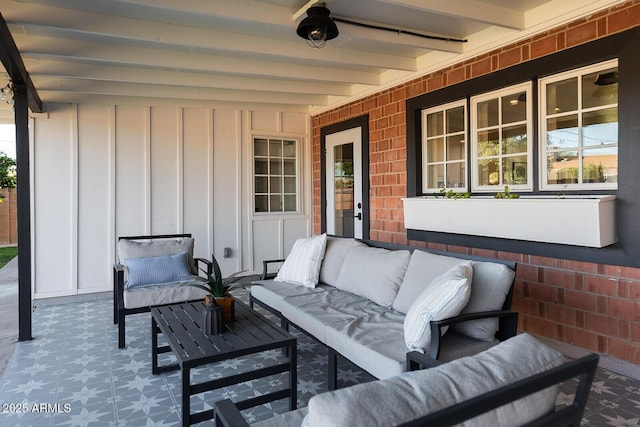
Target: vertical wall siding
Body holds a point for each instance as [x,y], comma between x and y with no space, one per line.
[592,306]
[106,171]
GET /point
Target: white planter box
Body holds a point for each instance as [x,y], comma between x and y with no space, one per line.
[574,220]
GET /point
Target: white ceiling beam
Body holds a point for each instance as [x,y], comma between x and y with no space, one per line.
[63,49]
[113,73]
[348,30]
[474,10]
[61,23]
[53,84]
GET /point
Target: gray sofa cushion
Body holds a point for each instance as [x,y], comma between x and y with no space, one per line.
[490,286]
[423,268]
[334,256]
[157,247]
[334,308]
[293,419]
[375,342]
[414,394]
[168,293]
[273,293]
[374,273]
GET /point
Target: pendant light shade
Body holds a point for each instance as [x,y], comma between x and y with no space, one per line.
[317,27]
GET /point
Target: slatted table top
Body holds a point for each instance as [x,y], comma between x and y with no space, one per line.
[250,333]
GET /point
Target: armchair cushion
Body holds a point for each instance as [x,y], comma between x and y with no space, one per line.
[411,395]
[444,297]
[373,273]
[334,256]
[157,270]
[302,266]
[151,248]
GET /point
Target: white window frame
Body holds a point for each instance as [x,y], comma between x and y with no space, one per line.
[542,96]
[298,163]
[473,137]
[425,155]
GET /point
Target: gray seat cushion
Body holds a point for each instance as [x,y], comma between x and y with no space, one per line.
[166,293]
[414,394]
[273,293]
[334,308]
[454,346]
[375,342]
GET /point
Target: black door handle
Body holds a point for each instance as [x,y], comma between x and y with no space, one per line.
[359,216]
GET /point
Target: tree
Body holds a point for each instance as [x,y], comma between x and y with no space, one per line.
[7,173]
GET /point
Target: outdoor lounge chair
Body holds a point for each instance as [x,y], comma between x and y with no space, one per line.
[151,271]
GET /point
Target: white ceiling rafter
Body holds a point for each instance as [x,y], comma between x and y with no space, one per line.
[246,52]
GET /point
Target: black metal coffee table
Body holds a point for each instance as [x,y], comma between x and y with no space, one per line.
[250,333]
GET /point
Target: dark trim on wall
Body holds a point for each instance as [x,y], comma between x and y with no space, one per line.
[624,46]
[363,122]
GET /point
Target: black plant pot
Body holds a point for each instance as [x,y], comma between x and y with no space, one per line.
[212,319]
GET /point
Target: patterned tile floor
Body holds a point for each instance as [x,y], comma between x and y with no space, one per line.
[73,374]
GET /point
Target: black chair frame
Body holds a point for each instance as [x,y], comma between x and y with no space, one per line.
[119,310]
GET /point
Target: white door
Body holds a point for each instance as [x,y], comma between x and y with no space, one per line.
[344,183]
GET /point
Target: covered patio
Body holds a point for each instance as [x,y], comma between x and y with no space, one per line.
[147,117]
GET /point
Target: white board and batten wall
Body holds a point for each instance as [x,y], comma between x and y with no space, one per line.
[103,171]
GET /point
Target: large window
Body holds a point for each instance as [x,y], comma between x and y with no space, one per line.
[444,147]
[275,175]
[579,128]
[501,139]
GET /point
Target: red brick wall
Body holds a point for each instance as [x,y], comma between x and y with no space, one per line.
[8,218]
[593,306]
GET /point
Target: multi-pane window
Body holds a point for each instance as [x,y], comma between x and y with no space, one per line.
[444,147]
[275,175]
[501,139]
[579,128]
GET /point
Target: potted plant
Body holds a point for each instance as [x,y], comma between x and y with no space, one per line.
[218,288]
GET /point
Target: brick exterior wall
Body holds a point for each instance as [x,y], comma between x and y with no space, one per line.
[593,306]
[8,218]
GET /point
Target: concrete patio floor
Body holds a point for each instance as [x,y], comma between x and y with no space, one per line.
[8,312]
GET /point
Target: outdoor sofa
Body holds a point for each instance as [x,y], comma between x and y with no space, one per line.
[373,305]
[151,271]
[512,384]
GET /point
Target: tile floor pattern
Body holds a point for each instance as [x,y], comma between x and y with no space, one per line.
[74,363]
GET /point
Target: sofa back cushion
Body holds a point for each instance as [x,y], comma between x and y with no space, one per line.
[423,268]
[373,273]
[491,284]
[414,394]
[334,256]
[157,270]
[157,247]
[302,266]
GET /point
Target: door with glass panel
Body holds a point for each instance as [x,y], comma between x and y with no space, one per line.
[344,183]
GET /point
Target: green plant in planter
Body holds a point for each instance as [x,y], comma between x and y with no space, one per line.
[450,194]
[215,285]
[506,194]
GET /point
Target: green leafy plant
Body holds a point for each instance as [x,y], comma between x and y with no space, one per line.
[215,285]
[506,194]
[8,178]
[450,194]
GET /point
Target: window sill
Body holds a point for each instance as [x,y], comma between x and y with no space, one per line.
[573,220]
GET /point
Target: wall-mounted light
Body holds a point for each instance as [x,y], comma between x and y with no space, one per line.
[317,27]
[6,93]
[605,79]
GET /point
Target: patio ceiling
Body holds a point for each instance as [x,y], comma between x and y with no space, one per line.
[246,52]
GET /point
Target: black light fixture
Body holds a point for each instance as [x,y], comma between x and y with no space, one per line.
[605,79]
[317,27]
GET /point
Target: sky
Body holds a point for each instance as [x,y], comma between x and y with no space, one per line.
[8,140]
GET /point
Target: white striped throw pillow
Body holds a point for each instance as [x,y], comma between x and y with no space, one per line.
[302,266]
[444,297]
